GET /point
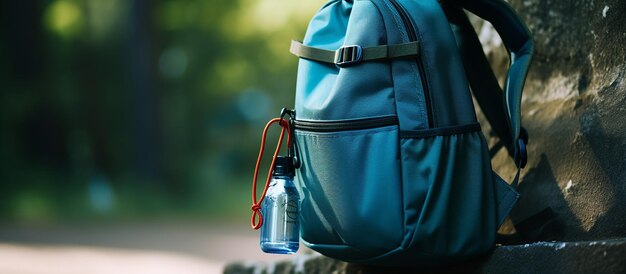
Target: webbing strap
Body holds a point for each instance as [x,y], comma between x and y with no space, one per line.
[515,181]
[483,81]
[358,53]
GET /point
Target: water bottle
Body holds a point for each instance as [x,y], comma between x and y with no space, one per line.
[280,232]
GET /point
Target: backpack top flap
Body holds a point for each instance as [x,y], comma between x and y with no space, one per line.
[327,92]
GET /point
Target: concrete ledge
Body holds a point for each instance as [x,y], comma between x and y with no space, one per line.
[544,257]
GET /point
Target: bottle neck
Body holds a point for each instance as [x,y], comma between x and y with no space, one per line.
[284,180]
[283,177]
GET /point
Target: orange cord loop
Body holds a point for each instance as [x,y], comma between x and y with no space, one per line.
[256,205]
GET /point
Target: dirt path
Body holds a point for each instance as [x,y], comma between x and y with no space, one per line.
[151,247]
[81,259]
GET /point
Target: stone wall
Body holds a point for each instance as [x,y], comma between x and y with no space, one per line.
[574,108]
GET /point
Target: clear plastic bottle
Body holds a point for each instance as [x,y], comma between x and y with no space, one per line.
[280,232]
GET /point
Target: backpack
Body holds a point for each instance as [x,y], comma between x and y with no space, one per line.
[393,166]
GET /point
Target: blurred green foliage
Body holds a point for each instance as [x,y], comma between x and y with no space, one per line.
[137,108]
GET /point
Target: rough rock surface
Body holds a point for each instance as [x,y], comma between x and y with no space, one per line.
[556,257]
[574,108]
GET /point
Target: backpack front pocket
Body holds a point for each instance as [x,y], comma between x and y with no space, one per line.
[351,185]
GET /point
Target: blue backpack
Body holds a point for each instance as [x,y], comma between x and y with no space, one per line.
[393,167]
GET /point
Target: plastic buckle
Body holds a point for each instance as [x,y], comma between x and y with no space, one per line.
[521,155]
[348,55]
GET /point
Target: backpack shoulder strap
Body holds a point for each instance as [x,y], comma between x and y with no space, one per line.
[543,225]
[519,44]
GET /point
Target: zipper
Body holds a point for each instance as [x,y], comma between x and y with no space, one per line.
[343,125]
[422,71]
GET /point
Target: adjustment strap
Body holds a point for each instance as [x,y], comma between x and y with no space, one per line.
[351,55]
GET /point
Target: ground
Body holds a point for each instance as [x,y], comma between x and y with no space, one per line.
[142,247]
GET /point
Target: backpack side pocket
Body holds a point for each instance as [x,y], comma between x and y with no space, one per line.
[450,196]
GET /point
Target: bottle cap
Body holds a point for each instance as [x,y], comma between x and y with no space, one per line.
[284,166]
